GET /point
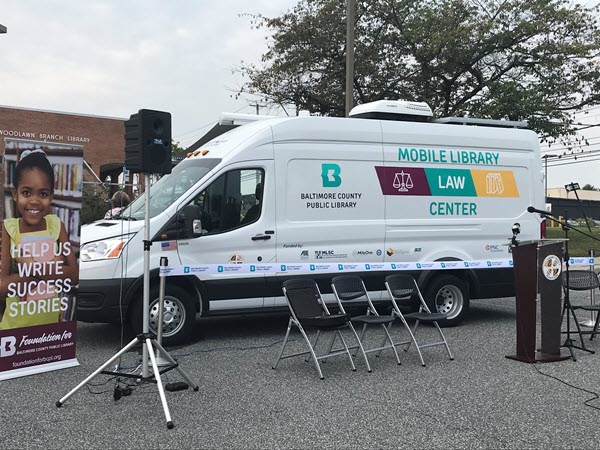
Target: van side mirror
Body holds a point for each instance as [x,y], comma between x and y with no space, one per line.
[191,217]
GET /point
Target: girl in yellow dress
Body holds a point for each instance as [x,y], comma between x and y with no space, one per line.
[38,266]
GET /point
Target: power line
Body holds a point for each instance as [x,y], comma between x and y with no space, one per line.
[597,158]
[195,129]
[583,127]
[591,108]
[573,150]
[206,125]
[574,156]
[554,149]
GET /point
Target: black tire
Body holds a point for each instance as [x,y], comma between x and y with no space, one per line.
[449,295]
[179,310]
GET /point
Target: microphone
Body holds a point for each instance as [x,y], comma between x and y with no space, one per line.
[531,209]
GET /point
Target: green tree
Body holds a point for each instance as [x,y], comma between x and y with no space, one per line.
[176,149]
[95,202]
[589,187]
[528,60]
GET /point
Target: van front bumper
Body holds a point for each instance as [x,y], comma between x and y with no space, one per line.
[103,301]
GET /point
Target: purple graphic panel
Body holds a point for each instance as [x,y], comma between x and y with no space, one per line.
[403,181]
[25,347]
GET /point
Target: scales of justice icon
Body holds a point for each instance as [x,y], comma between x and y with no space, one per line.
[402,181]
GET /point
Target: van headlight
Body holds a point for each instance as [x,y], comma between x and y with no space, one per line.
[109,248]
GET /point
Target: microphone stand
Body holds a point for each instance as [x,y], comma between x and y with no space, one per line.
[569,343]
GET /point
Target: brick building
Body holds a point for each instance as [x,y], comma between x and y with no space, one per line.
[102,137]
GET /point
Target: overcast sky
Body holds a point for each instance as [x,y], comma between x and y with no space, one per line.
[113,57]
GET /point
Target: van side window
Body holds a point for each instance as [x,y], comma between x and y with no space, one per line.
[233,200]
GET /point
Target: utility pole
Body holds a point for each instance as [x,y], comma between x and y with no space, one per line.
[350,7]
[258,106]
[545,158]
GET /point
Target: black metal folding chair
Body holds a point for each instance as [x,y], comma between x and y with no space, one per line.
[582,280]
[401,289]
[350,287]
[308,310]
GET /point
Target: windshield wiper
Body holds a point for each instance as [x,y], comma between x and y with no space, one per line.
[119,217]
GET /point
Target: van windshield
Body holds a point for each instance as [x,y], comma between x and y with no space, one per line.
[170,187]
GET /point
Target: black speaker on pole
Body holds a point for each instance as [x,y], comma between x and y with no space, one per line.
[148,142]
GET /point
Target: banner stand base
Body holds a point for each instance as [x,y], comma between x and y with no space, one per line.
[542,357]
[32,370]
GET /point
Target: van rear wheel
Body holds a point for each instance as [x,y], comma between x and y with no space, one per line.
[179,315]
[449,295]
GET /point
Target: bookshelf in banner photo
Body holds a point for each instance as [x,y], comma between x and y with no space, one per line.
[66,161]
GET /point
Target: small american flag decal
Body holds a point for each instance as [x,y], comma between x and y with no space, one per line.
[168,246]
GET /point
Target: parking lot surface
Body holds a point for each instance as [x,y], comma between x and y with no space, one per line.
[479,400]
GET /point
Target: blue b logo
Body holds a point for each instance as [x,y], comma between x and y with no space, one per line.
[330,173]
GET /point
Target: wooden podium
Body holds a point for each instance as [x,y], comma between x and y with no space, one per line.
[538,267]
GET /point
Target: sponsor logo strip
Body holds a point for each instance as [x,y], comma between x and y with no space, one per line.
[317,267]
[341,267]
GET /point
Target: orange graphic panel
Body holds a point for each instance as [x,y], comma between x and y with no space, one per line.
[495,183]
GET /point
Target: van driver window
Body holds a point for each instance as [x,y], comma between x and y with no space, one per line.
[233,200]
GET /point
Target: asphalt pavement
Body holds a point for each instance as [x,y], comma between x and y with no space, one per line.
[479,400]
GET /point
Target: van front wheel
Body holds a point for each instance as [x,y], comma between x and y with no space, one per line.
[179,315]
[448,294]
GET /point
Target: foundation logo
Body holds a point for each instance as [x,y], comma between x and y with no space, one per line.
[330,174]
[8,346]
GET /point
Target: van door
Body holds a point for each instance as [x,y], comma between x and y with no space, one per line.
[330,207]
[238,227]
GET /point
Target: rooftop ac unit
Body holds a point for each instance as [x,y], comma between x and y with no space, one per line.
[393,110]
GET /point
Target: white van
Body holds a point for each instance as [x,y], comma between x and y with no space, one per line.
[388,185]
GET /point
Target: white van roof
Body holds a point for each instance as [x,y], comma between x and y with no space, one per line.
[337,129]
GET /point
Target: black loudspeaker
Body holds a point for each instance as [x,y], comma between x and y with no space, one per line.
[148,142]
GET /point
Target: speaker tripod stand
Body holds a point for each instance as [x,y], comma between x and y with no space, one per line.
[568,307]
[148,341]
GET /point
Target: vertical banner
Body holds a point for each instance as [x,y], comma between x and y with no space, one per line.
[39,269]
